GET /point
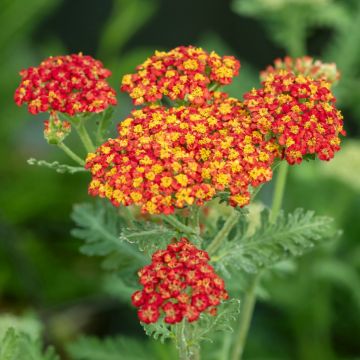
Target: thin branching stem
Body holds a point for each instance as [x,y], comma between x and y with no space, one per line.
[84,136]
[223,233]
[177,224]
[250,295]
[246,313]
[71,154]
[195,218]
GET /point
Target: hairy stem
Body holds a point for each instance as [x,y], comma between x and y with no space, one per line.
[186,350]
[71,154]
[181,342]
[249,301]
[223,233]
[84,136]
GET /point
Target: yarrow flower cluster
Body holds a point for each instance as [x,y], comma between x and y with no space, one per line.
[299,112]
[167,158]
[306,66]
[69,84]
[179,283]
[184,73]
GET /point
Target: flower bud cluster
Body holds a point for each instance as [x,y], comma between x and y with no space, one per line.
[55,130]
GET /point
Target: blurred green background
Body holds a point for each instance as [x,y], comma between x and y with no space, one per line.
[311,308]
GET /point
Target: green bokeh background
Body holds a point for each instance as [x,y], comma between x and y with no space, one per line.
[311,308]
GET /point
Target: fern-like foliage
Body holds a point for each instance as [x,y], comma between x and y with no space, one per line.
[19,346]
[227,312]
[148,236]
[290,235]
[159,331]
[120,348]
[99,226]
[201,329]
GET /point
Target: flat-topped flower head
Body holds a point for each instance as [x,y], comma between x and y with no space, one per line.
[178,284]
[167,158]
[184,73]
[70,84]
[299,113]
[306,66]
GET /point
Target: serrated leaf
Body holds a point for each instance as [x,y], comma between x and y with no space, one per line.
[100,225]
[227,312]
[290,236]
[59,168]
[148,236]
[119,348]
[159,331]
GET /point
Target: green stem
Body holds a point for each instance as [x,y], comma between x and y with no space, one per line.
[250,296]
[178,225]
[71,154]
[181,343]
[246,313]
[279,190]
[85,137]
[186,350]
[194,219]
[225,348]
[223,233]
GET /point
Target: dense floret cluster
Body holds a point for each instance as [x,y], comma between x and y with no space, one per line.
[179,283]
[167,158]
[306,66]
[299,112]
[69,84]
[184,73]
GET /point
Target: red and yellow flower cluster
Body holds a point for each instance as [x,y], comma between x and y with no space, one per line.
[167,158]
[306,66]
[184,73]
[179,283]
[299,113]
[69,84]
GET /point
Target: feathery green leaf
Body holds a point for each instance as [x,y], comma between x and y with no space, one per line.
[159,331]
[227,312]
[291,235]
[148,236]
[100,225]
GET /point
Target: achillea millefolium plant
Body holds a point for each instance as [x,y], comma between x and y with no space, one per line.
[179,176]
